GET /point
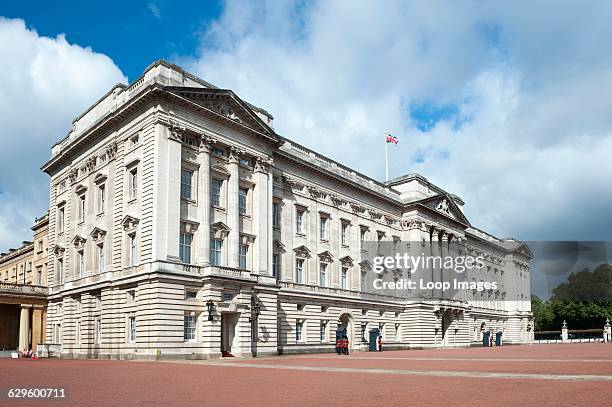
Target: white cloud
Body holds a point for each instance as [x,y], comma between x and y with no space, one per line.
[530,81]
[45,83]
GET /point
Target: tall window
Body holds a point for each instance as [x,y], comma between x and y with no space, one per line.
[275,265]
[323,331]
[323,228]
[185,247]
[299,221]
[81,208]
[38,275]
[189,329]
[344,233]
[133,249]
[362,282]
[215,193]
[81,263]
[242,256]
[344,277]
[323,274]
[362,237]
[215,252]
[242,200]
[60,220]
[132,329]
[134,183]
[100,250]
[98,331]
[101,198]
[275,213]
[299,325]
[77,332]
[59,273]
[186,176]
[299,270]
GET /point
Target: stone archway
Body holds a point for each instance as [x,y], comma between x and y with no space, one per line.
[346,322]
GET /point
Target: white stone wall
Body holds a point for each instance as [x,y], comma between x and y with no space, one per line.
[173,134]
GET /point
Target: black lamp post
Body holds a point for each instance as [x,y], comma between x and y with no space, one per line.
[210,305]
[256,304]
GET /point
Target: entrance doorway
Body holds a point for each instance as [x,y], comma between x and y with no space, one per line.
[346,324]
[9,326]
[229,340]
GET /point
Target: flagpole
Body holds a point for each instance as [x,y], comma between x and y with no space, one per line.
[386,161]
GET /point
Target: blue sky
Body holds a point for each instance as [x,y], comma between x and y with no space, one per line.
[133,33]
[506,105]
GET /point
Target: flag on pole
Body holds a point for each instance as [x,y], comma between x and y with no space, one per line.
[391,139]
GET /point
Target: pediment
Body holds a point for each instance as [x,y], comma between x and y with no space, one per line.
[302,251]
[278,246]
[365,265]
[58,250]
[347,261]
[98,233]
[445,205]
[326,256]
[219,230]
[226,105]
[78,241]
[129,222]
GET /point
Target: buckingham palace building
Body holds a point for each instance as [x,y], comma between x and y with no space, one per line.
[181,225]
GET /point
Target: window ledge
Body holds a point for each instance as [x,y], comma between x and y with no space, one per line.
[218,208]
[131,200]
[301,234]
[188,200]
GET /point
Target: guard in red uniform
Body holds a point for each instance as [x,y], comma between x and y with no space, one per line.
[338,345]
[346,345]
[380,343]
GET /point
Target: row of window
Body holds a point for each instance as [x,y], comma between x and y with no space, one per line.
[299,329]
[81,271]
[189,330]
[100,200]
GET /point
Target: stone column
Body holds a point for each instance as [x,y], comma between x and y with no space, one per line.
[444,274]
[261,207]
[168,196]
[24,328]
[435,251]
[37,326]
[233,212]
[202,246]
[564,333]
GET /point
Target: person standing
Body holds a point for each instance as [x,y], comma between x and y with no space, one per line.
[380,343]
[345,345]
[338,345]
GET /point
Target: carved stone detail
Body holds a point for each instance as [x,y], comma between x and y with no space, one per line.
[262,164]
[176,131]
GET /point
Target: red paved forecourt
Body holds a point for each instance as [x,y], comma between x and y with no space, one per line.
[515,375]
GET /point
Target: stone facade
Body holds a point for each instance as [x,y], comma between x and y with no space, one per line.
[183,225]
[23,292]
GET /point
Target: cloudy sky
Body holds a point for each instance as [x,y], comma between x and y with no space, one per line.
[508,106]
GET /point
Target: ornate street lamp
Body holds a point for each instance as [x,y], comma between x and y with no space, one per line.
[210,306]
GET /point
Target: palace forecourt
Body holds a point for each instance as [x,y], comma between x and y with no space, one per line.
[182,225]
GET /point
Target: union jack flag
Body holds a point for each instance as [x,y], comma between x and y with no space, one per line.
[391,139]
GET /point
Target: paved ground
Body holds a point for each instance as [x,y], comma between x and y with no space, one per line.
[543,375]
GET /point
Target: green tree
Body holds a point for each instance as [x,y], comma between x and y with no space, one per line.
[543,315]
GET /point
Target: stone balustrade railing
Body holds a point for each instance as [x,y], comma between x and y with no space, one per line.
[23,289]
[339,291]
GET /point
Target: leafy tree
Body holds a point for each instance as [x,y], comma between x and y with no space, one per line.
[584,301]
